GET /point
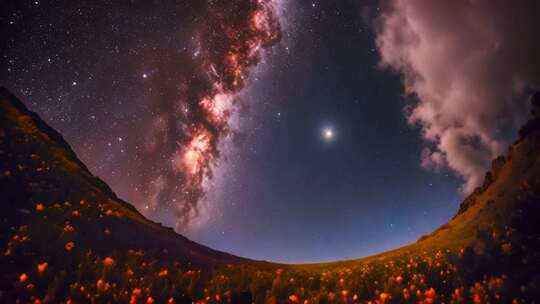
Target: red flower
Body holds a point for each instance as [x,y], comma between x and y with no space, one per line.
[42,267]
[430,293]
[108,262]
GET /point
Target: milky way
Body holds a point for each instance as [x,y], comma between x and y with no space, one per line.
[148,91]
[196,115]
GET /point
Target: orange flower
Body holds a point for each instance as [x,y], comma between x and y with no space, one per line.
[76,213]
[150,300]
[170,301]
[385,297]
[136,292]
[69,246]
[109,212]
[99,284]
[23,278]
[108,262]
[42,267]
[430,293]
[163,273]
[82,202]
[294,299]
[399,279]
[355,297]
[69,228]
[40,207]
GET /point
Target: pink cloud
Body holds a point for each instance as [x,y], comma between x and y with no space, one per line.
[467,64]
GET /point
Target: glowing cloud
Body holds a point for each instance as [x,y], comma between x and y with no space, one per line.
[468,65]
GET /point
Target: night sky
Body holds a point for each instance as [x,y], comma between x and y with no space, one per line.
[269,129]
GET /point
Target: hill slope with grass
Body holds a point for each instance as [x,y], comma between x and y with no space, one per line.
[66,237]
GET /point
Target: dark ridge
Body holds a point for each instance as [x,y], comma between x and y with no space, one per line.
[59,140]
[530,127]
[19,193]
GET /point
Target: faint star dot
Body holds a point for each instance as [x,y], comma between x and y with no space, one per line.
[144,75]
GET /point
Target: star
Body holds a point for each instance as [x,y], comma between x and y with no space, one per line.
[328,134]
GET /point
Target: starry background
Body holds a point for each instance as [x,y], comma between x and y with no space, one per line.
[101,73]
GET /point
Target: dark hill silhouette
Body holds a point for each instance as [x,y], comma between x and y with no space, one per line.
[66,237]
[39,166]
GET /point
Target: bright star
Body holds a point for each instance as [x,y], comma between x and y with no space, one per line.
[328,134]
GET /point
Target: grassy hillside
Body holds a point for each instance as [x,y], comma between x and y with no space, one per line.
[66,237]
